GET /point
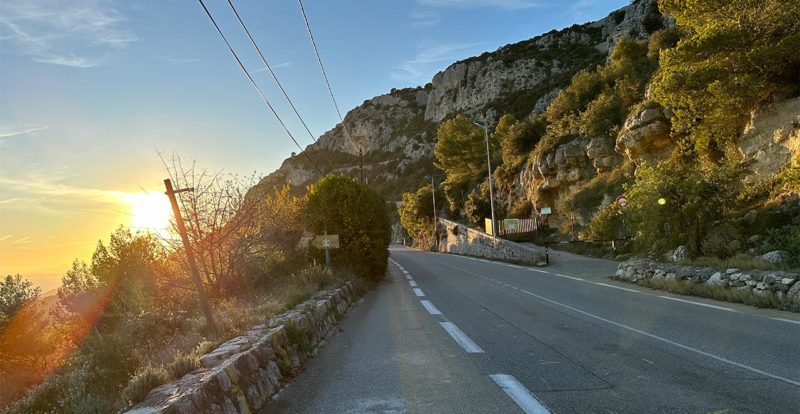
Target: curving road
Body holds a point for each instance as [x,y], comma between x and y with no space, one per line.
[451,334]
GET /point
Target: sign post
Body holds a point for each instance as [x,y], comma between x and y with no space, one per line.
[327,242]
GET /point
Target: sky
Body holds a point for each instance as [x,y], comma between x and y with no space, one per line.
[91,91]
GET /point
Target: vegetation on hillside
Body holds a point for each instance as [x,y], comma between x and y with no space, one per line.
[720,61]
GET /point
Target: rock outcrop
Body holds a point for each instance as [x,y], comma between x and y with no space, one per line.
[771,140]
[646,136]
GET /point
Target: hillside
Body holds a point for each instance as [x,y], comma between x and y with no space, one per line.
[700,108]
[397,130]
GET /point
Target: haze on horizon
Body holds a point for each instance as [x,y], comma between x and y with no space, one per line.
[91,91]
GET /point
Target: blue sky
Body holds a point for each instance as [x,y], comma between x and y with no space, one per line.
[91,89]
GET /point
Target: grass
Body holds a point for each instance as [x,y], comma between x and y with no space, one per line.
[740,261]
[704,290]
[142,382]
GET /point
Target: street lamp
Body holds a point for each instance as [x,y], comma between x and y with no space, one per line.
[485,125]
[433,195]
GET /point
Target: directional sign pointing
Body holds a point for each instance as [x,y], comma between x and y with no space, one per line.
[330,241]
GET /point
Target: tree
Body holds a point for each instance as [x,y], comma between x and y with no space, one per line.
[517,139]
[478,206]
[735,55]
[416,215]
[14,293]
[461,153]
[337,204]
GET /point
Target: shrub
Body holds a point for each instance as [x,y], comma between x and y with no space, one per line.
[182,365]
[340,205]
[786,238]
[521,208]
[722,241]
[142,382]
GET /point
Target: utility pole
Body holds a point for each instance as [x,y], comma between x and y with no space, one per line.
[198,283]
[485,125]
[435,220]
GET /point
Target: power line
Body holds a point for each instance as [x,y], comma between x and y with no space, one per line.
[274,77]
[325,75]
[253,82]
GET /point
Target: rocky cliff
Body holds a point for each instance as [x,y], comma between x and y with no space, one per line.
[396,131]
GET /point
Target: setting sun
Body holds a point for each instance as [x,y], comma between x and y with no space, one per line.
[150,212]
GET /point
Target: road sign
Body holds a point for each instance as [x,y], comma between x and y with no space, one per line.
[511,225]
[489,228]
[622,202]
[546,211]
[330,241]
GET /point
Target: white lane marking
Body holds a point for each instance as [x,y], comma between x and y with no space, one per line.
[524,398]
[616,287]
[408,277]
[412,283]
[418,292]
[537,270]
[405,271]
[653,336]
[786,320]
[461,338]
[567,276]
[433,310]
[517,266]
[697,303]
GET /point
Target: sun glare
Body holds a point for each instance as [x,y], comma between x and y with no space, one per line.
[150,212]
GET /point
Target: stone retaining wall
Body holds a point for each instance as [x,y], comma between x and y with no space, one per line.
[459,239]
[783,284]
[243,374]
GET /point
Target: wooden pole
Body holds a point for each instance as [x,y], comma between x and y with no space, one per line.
[198,283]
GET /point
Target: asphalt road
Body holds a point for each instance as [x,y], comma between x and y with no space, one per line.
[451,334]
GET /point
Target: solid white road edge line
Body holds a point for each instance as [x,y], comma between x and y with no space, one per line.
[418,292]
[461,338]
[652,336]
[698,303]
[616,287]
[524,398]
[786,320]
[433,310]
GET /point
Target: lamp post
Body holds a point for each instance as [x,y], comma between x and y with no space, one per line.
[433,195]
[485,125]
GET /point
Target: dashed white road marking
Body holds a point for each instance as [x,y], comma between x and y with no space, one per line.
[698,303]
[524,398]
[433,310]
[787,320]
[616,287]
[418,292]
[408,277]
[412,283]
[651,336]
[461,338]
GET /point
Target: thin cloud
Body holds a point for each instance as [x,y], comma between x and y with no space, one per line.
[10,132]
[424,19]
[474,4]
[431,59]
[78,33]
[278,66]
[177,61]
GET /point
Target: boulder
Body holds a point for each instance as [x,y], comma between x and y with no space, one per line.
[793,297]
[680,253]
[775,256]
[645,136]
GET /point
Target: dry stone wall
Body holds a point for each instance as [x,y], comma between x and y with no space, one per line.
[459,239]
[782,284]
[243,374]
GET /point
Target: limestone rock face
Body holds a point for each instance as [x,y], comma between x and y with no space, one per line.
[771,139]
[645,136]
